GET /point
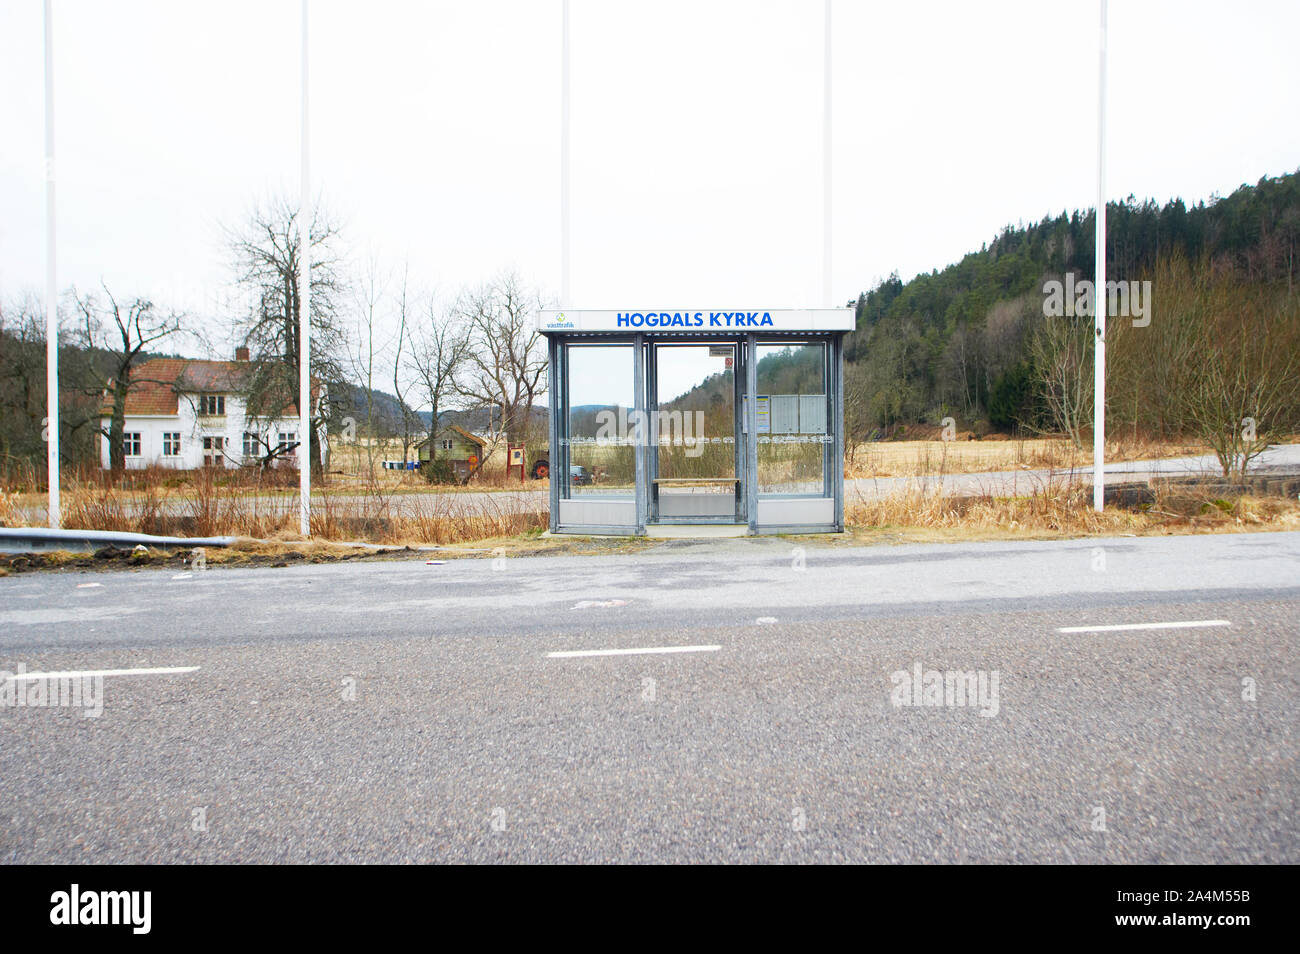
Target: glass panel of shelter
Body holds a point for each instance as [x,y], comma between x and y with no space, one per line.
[795,443]
[695,461]
[598,429]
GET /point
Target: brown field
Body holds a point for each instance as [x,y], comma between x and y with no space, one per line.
[931,458]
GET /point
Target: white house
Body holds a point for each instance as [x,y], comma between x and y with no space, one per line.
[187,413]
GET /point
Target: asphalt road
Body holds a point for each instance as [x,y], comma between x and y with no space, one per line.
[412,712]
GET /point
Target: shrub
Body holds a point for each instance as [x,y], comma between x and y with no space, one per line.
[1012,397]
[438,471]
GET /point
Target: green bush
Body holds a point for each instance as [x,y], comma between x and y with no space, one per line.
[438,471]
[1011,399]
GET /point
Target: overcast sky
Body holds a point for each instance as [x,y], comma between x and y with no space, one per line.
[696,134]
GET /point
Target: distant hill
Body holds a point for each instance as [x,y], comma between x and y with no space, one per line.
[954,341]
[384,412]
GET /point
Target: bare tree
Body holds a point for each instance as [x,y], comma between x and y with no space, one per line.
[1061,354]
[123,332]
[266,256]
[857,410]
[401,389]
[22,379]
[1003,342]
[370,292]
[1236,379]
[506,362]
[438,353]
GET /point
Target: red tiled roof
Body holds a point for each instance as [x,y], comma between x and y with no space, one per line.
[213,377]
[152,390]
[158,383]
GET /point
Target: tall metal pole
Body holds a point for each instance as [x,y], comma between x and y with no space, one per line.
[306,439]
[826,162]
[51,284]
[565,289]
[1099,297]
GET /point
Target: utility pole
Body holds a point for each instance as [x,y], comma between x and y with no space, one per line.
[305,438]
[1100,300]
[51,286]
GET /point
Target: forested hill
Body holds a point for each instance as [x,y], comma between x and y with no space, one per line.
[950,341]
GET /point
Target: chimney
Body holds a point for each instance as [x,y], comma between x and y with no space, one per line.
[241,353]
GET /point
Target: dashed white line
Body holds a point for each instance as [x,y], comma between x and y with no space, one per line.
[1186,624]
[91,673]
[649,650]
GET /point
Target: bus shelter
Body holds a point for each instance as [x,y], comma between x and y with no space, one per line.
[725,418]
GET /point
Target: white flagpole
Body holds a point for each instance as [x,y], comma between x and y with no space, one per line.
[826,162]
[1099,298]
[565,288]
[306,439]
[51,285]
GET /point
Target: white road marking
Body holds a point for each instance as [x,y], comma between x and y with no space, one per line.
[1187,624]
[86,586]
[764,620]
[573,653]
[598,604]
[91,673]
[182,576]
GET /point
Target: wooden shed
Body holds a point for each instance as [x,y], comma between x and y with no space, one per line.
[457,445]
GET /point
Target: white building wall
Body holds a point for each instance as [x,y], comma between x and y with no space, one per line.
[193,429]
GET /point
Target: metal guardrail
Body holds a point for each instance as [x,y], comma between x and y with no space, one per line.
[36,539]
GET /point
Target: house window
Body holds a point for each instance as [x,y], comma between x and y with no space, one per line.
[287,441]
[252,444]
[212,405]
[131,443]
[171,443]
[213,451]
[445,444]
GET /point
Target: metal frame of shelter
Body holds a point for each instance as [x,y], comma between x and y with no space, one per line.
[761,503]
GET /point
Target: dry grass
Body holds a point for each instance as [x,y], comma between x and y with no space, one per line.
[915,517]
[207,506]
[1062,510]
[289,551]
[932,458]
[251,505]
[11,508]
[394,507]
[435,518]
